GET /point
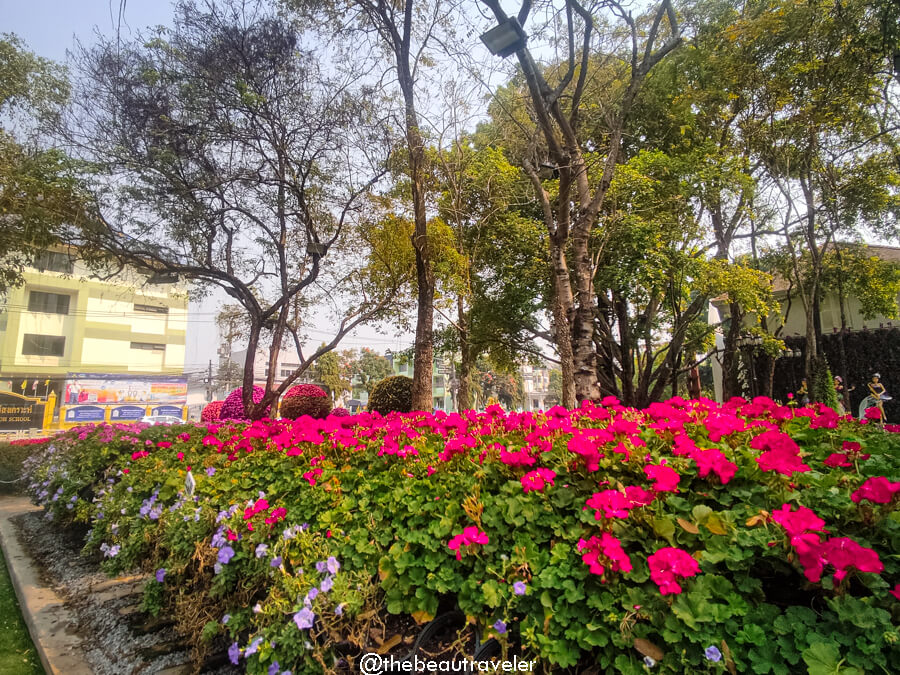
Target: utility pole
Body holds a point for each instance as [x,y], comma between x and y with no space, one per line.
[209,383]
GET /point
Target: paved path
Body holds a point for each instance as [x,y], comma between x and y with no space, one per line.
[50,623]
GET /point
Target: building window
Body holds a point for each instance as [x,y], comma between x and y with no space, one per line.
[286,372]
[53,261]
[151,309]
[43,345]
[149,346]
[48,303]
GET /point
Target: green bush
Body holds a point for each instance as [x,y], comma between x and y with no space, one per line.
[316,407]
[11,457]
[392,394]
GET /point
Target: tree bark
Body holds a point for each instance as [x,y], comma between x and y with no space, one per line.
[463,395]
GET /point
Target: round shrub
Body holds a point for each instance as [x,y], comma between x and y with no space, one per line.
[211,411]
[316,407]
[340,412]
[392,394]
[305,390]
[233,406]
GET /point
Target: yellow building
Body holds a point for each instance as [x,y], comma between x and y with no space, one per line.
[64,320]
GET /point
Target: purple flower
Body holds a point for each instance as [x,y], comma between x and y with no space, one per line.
[226,553]
[160,574]
[253,648]
[713,654]
[519,588]
[217,568]
[234,653]
[320,567]
[226,618]
[274,668]
[500,626]
[327,584]
[210,470]
[332,565]
[339,610]
[311,595]
[261,550]
[304,619]
[276,561]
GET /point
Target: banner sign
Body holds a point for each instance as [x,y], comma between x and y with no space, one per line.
[175,411]
[126,413]
[100,389]
[85,413]
[20,412]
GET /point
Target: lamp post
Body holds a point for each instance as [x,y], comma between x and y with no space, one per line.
[505,39]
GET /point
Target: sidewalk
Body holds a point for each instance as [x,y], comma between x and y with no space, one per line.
[45,614]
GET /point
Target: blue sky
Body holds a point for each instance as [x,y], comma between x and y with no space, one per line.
[49,28]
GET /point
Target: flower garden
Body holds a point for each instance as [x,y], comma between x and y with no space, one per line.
[694,537]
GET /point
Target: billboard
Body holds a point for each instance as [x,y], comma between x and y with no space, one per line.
[100,389]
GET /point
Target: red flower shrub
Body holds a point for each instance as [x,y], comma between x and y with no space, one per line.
[211,411]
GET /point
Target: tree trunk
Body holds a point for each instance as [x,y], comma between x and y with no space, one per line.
[730,385]
[463,395]
[563,307]
[584,356]
[423,358]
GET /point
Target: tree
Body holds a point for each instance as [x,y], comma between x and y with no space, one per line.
[404,31]
[328,372]
[371,368]
[41,199]
[825,144]
[571,204]
[228,155]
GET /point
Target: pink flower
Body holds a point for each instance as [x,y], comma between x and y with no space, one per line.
[612,502]
[844,553]
[665,478]
[638,496]
[799,522]
[713,460]
[873,413]
[836,459]
[878,490]
[537,479]
[604,553]
[469,536]
[667,565]
[896,592]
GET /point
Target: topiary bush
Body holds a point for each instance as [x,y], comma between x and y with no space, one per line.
[305,399]
[211,411]
[305,390]
[233,406]
[392,394]
[340,412]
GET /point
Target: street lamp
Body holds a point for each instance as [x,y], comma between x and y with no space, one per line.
[505,39]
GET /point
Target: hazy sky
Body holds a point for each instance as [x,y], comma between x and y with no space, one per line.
[49,28]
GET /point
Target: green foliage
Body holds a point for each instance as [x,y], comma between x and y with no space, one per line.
[824,391]
[392,394]
[316,407]
[370,368]
[387,518]
[328,372]
[41,198]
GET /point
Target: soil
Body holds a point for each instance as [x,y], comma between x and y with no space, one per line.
[105,610]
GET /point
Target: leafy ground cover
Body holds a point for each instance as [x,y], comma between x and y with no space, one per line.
[17,653]
[687,537]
